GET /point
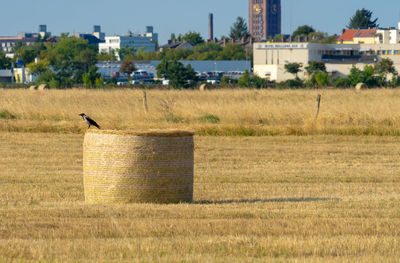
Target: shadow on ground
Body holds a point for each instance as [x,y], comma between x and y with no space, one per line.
[275,200]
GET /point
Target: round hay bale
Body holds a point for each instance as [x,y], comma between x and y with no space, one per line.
[204,87]
[138,167]
[33,87]
[361,86]
[43,87]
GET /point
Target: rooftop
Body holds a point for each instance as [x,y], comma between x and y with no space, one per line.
[350,34]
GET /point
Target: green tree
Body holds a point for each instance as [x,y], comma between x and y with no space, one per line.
[362,19]
[127,67]
[28,53]
[366,75]
[233,52]
[47,77]
[193,38]
[278,38]
[258,82]
[107,56]
[293,68]
[124,51]
[239,29]
[206,51]
[99,83]
[317,36]
[244,81]
[38,68]
[315,66]
[322,79]
[340,82]
[303,31]
[70,58]
[327,40]
[173,37]
[179,75]
[89,78]
[5,62]
[384,68]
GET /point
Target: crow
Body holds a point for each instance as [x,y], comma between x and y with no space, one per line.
[89,121]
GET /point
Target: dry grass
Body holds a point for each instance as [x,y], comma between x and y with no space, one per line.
[218,112]
[257,199]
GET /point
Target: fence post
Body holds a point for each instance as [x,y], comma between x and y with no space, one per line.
[145,101]
[318,104]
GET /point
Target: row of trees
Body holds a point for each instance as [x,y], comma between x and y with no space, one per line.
[204,51]
[64,64]
[382,74]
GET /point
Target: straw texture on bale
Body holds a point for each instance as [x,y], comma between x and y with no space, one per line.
[138,166]
[361,86]
[43,87]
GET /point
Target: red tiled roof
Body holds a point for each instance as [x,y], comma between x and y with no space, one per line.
[11,38]
[349,34]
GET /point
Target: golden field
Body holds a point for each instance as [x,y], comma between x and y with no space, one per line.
[332,195]
[234,112]
[256,199]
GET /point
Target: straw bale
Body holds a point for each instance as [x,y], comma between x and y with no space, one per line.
[43,87]
[33,87]
[204,87]
[138,166]
[361,86]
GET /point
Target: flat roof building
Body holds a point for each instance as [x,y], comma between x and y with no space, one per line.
[270,58]
[146,41]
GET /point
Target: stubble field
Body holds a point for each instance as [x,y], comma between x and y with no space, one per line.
[216,112]
[315,198]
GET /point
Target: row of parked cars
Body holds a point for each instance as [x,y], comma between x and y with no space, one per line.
[143,77]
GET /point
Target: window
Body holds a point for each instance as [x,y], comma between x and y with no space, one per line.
[389,52]
[383,52]
[396,52]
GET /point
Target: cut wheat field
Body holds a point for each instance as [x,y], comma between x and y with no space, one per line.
[214,112]
[319,198]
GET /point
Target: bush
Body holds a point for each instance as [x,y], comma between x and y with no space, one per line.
[99,82]
[291,84]
[5,114]
[209,118]
[322,79]
[258,82]
[244,81]
[170,117]
[340,82]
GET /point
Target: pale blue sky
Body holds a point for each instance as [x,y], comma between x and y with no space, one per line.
[179,16]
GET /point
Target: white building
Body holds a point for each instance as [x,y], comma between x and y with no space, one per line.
[388,36]
[114,43]
[270,58]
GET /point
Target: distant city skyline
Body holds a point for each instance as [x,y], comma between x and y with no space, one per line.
[178,16]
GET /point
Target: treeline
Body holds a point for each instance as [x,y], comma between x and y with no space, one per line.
[202,51]
[383,74]
[72,61]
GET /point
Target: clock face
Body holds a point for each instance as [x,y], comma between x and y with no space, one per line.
[257,9]
[274,9]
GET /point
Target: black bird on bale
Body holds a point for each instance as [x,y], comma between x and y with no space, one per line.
[89,121]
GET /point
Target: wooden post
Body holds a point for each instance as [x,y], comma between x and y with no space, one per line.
[318,104]
[145,102]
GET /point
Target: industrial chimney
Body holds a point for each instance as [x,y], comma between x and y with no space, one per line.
[210,27]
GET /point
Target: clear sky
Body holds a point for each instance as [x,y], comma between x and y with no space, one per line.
[178,16]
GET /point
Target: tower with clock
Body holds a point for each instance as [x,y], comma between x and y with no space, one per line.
[264,18]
